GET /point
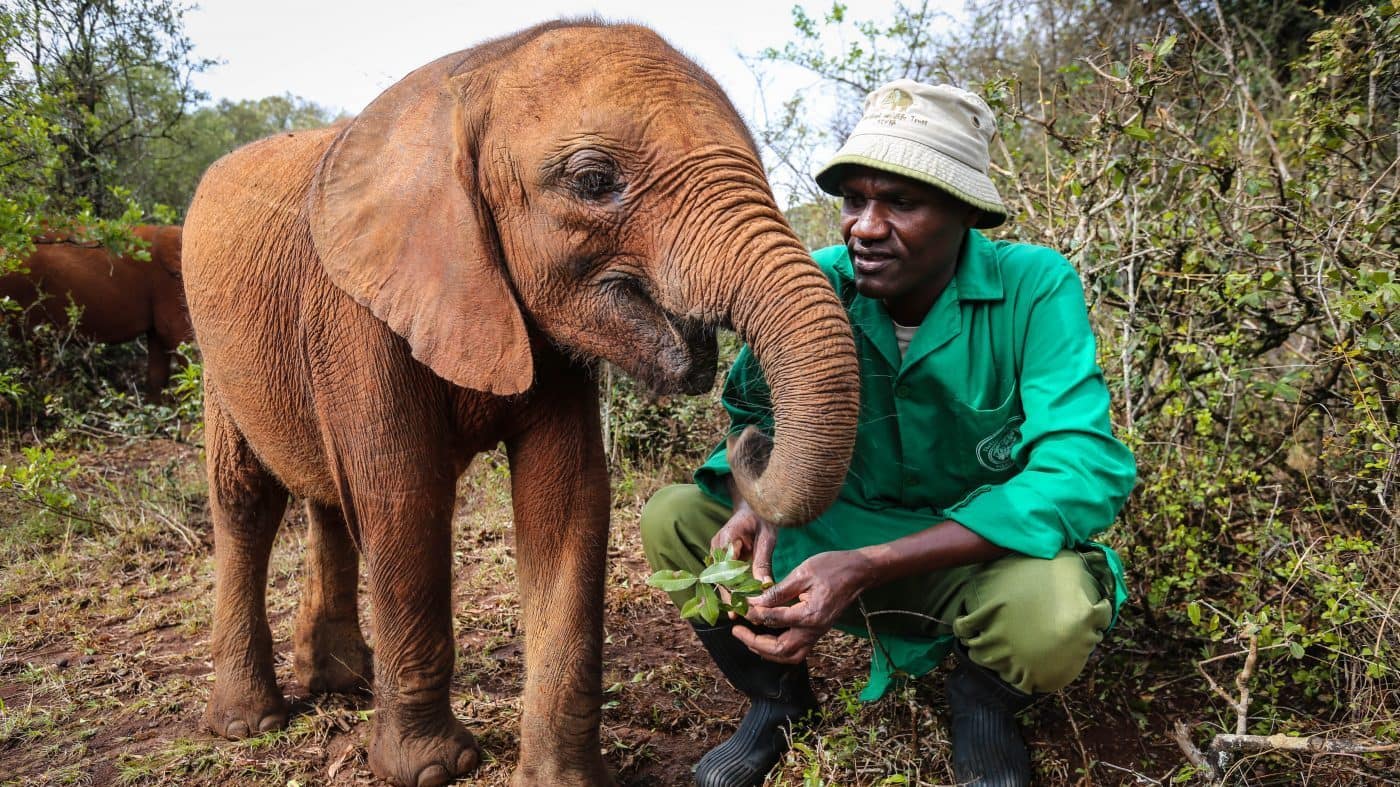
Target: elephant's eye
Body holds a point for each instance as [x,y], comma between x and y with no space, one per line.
[597,183]
[624,286]
[593,175]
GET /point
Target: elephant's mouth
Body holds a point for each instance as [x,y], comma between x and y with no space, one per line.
[690,366]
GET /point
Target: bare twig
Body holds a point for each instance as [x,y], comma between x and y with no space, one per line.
[1242,681]
[1195,756]
[1306,743]
[1138,777]
[1078,739]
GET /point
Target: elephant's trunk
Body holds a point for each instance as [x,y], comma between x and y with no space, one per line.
[798,330]
[761,280]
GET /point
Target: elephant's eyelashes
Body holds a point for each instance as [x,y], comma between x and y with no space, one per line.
[597,184]
[593,175]
[625,286]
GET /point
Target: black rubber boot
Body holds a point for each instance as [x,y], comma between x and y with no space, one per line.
[778,695]
[988,750]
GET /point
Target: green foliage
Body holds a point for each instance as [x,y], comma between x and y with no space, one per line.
[102,80]
[97,130]
[108,411]
[207,133]
[1240,267]
[53,379]
[89,88]
[95,113]
[44,482]
[817,223]
[43,478]
[722,570]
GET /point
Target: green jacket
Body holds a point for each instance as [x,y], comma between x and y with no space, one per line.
[997,417]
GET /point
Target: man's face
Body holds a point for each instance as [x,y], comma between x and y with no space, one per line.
[904,237]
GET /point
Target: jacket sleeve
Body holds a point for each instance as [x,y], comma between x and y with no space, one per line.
[747,400]
[1075,475]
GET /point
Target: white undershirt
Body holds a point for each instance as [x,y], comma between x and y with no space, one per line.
[903,335]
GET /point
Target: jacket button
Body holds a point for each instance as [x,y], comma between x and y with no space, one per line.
[902,392]
[910,479]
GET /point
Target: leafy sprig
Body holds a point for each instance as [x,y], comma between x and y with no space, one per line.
[722,570]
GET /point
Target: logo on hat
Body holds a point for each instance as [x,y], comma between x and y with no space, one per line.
[896,100]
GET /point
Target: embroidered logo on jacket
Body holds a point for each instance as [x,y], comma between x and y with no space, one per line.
[994,452]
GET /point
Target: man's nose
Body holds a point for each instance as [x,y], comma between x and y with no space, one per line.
[870,224]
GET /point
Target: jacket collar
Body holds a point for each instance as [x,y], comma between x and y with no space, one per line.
[977,278]
[978,275]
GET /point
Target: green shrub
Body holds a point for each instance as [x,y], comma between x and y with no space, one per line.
[644,430]
[56,382]
[1236,239]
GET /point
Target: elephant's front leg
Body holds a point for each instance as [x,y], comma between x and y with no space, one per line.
[559,486]
[405,522]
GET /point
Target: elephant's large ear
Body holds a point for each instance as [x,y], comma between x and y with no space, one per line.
[399,225]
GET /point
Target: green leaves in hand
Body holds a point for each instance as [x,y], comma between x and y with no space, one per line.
[709,603]
[725,572]
[671,581]
[721,570]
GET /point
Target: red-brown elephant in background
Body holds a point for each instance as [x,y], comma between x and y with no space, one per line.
[121,297]
[377,303]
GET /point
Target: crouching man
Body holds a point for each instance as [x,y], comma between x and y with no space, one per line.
[983,466]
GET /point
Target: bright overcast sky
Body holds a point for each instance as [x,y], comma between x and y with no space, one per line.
[342,53]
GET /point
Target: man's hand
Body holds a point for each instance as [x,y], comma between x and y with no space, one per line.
[753,540]
[823,586]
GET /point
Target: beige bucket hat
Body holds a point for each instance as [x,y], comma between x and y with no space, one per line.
[937,134]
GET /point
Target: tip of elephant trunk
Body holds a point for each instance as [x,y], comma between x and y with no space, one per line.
[775,499]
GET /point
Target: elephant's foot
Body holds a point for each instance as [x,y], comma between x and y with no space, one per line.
[332,657]
[570,774]
[242,711]
[421,758]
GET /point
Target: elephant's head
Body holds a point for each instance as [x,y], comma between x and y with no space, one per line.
[587,181]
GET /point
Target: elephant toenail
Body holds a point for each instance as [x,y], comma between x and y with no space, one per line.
[237,729]
[466,760]
[273,722]
[433,776]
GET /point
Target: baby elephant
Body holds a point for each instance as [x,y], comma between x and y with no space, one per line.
[121,297]
[376,303]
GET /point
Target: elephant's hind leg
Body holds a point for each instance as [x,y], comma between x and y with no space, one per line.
[159,357]
[330,651]
[247,504]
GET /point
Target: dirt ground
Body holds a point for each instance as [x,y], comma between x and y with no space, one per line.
[104,661]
